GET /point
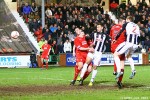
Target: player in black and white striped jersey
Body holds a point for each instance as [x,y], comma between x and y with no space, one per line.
[98,39]
[132,34]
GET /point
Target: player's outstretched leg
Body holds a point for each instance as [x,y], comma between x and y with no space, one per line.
[76,72]
[132,74]
[118,75]
[115,69]
[119,84]
[94,72]
[72,82]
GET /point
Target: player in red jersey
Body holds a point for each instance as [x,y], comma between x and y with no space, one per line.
[113,32]
[45,54]
[82,49]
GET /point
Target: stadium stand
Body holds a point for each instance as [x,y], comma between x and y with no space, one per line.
[21,45]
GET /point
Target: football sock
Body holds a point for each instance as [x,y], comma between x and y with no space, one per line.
[115,68]
[46,65]
[120,78]
[42,65]
[83,70]
[94,72]
[77,71]
[131,64]
[86,75]
[117,61]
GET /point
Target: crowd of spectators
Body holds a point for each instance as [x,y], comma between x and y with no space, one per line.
[61,20]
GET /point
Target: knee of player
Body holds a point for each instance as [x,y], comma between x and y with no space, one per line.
[128,56]
[88,61]
[94,67]
[116,54]
[80,65]
[89,68]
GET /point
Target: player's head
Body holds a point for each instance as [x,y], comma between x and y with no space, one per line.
[121,21]
[77,31]
[129,19]
[99,27]
[82,33]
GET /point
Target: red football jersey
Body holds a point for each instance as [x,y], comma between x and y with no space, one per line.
[113,32]
[46,49]
[80,42]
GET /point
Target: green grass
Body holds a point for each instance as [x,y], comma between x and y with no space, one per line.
[104,87]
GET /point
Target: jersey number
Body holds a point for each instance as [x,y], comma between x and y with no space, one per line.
[134,28]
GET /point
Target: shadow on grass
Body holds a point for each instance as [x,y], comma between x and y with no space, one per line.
[132,85]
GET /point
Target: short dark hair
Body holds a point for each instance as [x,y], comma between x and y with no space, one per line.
[100,24]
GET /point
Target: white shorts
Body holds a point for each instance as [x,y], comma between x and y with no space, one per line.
[132,49]
[123,47]
[97,58]
[91,55]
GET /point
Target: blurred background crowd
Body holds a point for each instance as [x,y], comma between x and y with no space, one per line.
[61,20]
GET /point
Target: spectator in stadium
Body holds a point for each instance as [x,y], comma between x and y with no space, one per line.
[33,8]
[51,20]
[59,40]
[113,7]
[53,28]
[44,28]
[46,34]
[48,13]
[142,38]
[147,44]
[66,29]
[34,25]
[59,31]
[54,47]
[148,25]
[67,47]
[144,21]
[50,40]
[40,43]
[33,60]
[71,37]
[59,23]
[60,48]
[54,52]
[26,10]
[21,9]
[65,38]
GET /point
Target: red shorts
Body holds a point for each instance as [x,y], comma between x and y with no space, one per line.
[81,57]
[122,57]
[113,47]
[44,56]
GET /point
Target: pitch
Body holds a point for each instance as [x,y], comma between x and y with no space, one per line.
[53,84]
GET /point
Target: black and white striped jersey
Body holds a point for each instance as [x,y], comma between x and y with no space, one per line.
[132,32]
[99,40]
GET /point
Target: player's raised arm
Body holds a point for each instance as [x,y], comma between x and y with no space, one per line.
[74,52]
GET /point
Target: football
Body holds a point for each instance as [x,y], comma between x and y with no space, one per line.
[14,34]
[143,51]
